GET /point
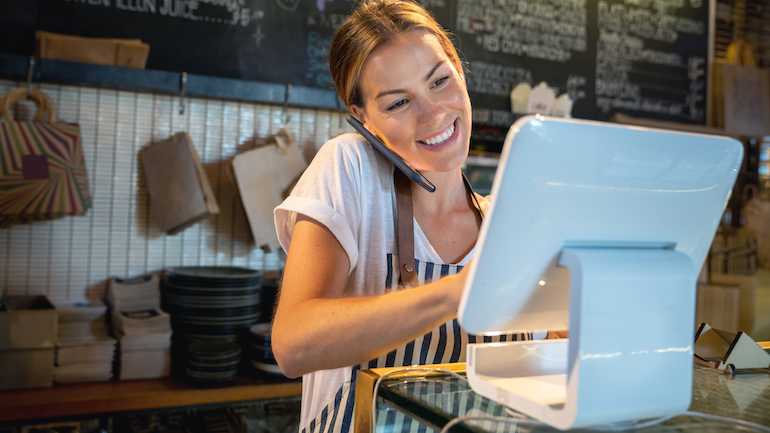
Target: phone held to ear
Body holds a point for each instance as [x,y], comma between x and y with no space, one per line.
[392,157]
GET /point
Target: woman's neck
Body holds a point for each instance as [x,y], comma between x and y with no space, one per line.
[450,192]
[447,216]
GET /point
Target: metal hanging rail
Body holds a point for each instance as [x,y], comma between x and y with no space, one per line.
[15,66]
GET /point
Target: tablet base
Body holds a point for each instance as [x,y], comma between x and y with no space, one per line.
[630,347]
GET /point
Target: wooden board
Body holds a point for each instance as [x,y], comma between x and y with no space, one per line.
[117,396]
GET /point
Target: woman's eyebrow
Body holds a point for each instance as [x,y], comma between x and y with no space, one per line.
[433,69]
[427,78]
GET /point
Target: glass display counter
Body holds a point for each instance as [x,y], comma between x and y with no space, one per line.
[426,403]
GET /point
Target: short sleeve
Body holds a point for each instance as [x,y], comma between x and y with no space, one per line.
[328,192]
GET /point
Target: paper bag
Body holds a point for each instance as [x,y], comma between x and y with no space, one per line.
[180,192]
[43,172]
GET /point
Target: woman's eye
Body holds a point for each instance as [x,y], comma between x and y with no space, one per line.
[440,81]
[398,104]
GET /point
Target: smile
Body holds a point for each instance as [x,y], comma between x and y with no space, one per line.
[438,139]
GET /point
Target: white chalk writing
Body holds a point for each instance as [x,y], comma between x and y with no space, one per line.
[696,75]
[574,84]
[657,25]
[226,12]
[492,79]
[325,20]
[493,117]
[288,5]
[318,65]
[545,29]
[92,2]
[499,80]
[654,78]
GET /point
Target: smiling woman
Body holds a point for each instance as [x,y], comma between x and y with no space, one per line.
[350,298]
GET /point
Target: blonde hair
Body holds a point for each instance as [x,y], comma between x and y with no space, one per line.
[372,24]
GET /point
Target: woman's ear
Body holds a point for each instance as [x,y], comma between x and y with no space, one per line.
[359,113]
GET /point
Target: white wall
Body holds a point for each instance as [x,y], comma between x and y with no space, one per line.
[71,258]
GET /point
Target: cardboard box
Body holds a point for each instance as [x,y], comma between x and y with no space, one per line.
[27,337]
[27,322]
[718,306]
[31,368]
[747,286]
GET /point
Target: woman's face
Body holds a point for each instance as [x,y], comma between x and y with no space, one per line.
[416,101]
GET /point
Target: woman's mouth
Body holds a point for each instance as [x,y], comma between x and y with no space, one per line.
[441,138]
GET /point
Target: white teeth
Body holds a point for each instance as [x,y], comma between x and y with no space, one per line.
[441,138]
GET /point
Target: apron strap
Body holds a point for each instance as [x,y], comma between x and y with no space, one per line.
[405,228]
[405,224]
[469,188]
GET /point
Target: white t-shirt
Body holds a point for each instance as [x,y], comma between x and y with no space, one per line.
[348,188]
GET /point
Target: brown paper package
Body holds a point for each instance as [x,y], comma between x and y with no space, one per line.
[180,192]
[131,53]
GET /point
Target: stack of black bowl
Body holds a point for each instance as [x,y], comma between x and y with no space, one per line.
[261,349]
[210,303]
[212,363]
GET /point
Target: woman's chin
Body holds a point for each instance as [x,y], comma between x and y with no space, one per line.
[442,165]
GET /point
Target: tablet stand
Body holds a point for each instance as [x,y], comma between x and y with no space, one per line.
[630,348]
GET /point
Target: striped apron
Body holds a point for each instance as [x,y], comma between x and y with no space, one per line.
[445,344]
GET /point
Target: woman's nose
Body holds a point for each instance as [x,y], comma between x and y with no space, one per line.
[430,112]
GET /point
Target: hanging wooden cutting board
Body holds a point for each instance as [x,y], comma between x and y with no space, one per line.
[263,176]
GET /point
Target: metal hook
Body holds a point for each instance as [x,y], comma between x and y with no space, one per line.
[285,117]
[183,86]
[30,73]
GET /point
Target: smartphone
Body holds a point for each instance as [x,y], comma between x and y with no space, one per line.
[392,157]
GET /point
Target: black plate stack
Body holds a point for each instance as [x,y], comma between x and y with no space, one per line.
[210,303]
[261,349]
[212,363]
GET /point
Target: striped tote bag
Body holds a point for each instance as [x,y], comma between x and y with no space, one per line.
[42,168]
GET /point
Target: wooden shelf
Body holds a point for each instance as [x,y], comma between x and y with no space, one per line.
[16,67]
[118,396]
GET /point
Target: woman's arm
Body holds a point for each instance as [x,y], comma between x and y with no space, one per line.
[316,328]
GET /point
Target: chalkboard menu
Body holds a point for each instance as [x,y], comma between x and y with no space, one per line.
[646,58]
